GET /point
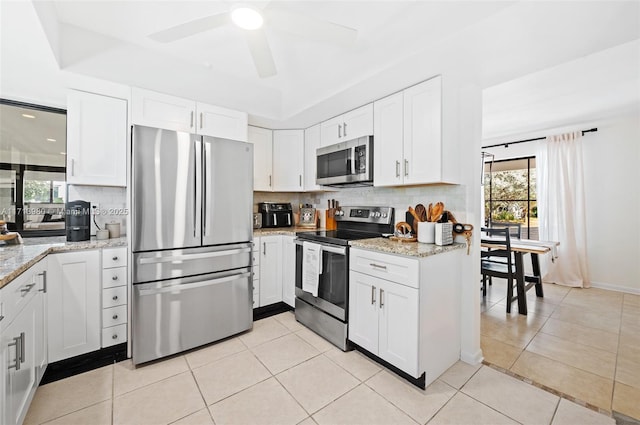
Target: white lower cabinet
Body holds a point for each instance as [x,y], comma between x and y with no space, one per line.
[405,310]
[270,269]
[289,270]
[73,302]
[114,296]
[22,346]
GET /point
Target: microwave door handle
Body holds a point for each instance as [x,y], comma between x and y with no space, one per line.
[353,161]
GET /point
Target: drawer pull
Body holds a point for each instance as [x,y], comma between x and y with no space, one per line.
[115,336]
[114,278]
[27,288]
[115,317]
[115,298]
[378,266]
[115,258]
[373,295]
[381,298]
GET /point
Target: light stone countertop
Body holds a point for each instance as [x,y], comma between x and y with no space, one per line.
[290,231]
[411,249]
[15,259]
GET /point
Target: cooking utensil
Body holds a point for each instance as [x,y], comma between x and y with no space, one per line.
[422,212]
[437,212]
[430,212]
[416,217]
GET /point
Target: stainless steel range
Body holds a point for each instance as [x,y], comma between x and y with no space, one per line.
[322,289]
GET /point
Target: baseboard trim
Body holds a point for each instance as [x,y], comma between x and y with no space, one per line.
[617,288]
[270,310]
[472,358]
[84,363]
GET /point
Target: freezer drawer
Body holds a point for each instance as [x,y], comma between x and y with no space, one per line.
[161,265]
[180,314]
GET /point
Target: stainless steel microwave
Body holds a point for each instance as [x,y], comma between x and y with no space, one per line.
[346,163]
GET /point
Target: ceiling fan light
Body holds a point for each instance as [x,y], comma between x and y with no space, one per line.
[247,18]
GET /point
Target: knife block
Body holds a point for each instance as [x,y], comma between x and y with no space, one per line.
[330,219]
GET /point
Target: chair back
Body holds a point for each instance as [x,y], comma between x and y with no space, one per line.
[514,228]
[497,236]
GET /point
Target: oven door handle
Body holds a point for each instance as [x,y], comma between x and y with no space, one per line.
[327,248]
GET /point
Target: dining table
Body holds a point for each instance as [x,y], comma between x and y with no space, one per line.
[524,282]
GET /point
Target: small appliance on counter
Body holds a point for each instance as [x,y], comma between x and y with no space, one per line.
[275,214]
[257,220]
[78,217]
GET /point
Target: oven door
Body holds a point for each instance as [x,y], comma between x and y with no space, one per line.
[333,285]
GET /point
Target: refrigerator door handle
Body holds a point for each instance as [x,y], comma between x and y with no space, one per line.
[195,188]
[188,257]
[206,164]
[182,287]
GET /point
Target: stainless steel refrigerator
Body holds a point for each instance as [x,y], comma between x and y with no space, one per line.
[192,204]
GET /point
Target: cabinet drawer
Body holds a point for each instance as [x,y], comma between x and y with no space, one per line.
[116,276]
[16,295]
[112,297]
[256,293]
[114,257]
[395,268]
[114,316]
[114,335]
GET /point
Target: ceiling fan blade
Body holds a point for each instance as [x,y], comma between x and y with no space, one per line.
[190,28]
[261,53]
[311,28]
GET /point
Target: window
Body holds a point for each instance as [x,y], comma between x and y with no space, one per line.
[32,168]
[510,194]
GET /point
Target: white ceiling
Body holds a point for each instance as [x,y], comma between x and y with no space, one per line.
[399,43]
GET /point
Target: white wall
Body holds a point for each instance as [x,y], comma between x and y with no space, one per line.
[612,174]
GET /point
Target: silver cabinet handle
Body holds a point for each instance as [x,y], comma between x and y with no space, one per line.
[397,168]
[378,266]
[406,168]
[115,336]
[115,298]
[269,180]
[27,288]
[191,124]
[201,117]
[373,295]
[73,168]
[300,180]
[115,258]
[44,281]
[344,129]
[115,317]
[114,278]
[264,248]
[15,343]
[381,297]
[339,130]
[22,350]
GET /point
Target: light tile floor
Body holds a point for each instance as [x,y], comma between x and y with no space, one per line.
[582,343]
[281,373]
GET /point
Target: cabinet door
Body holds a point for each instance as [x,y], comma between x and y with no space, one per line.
[270,270]
[331,131]
[398,326]
[73,304]
[357,123]
[160,110]
[289,270]
[388,129]
[18,343]
[221,122]
[97,139]
[363,310]
[311,143]
[423,132]
[288,160]
[262,140]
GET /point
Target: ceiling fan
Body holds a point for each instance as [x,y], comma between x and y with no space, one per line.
[251,21]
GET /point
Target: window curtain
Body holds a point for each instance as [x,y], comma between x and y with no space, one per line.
[561,207]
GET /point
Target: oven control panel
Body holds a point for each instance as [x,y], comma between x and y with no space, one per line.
[378,215]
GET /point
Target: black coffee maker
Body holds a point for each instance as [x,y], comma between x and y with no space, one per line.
[78,218]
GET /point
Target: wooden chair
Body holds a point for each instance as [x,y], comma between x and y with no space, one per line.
[498,262]
[515,229]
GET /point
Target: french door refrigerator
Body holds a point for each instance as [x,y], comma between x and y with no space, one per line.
[192,204]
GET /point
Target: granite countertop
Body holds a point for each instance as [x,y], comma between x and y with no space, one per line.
[411,249]
[291,231]
[15,259]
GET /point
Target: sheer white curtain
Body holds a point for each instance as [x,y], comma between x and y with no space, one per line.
[561,207]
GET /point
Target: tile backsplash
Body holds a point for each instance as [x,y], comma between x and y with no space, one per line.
[112,203]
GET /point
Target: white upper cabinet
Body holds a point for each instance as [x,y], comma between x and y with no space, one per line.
[409,146]
[160,110]
[262,140]
[96,139]
[221,122]
[288,160]
[311,143]
[350,125]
